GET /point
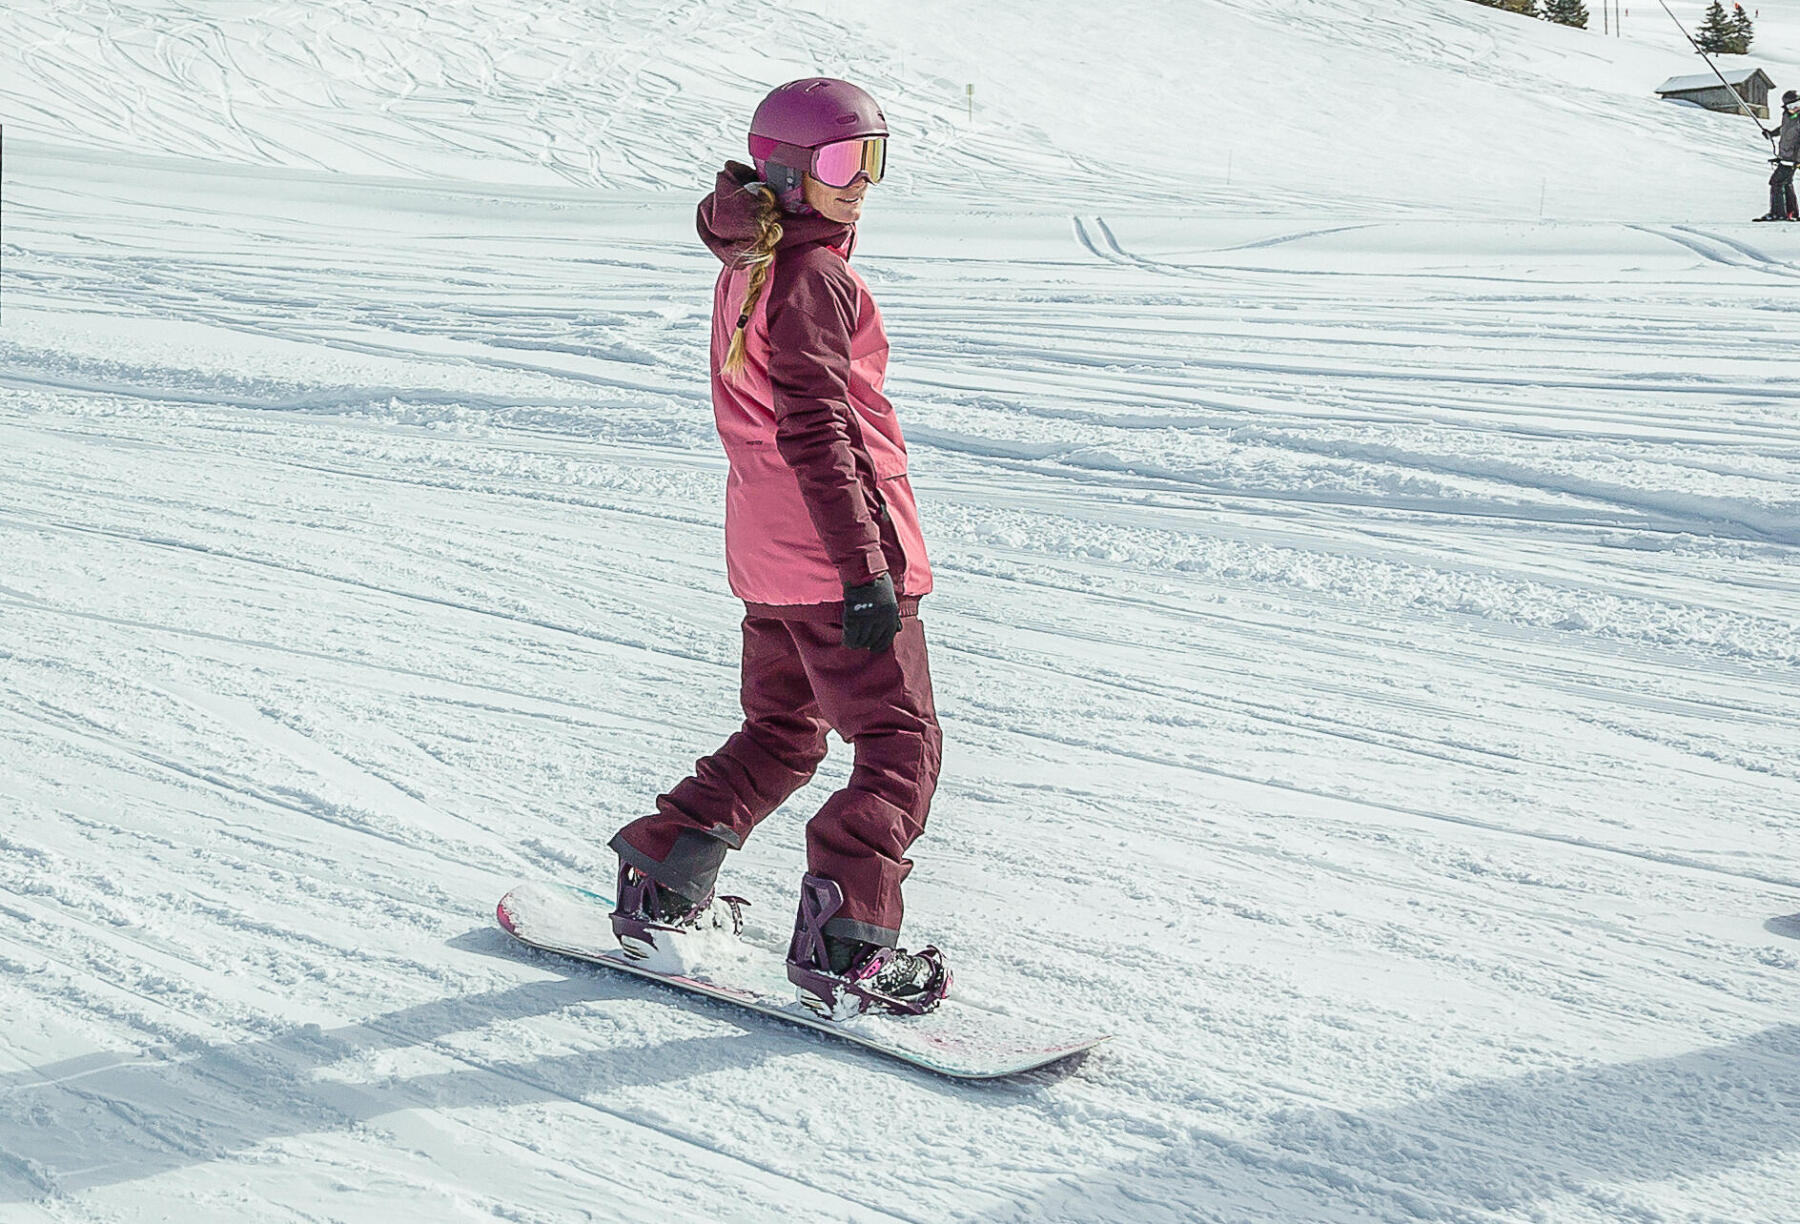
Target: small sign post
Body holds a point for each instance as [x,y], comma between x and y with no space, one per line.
[971,103]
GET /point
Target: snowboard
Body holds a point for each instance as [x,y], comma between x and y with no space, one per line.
[959,1039]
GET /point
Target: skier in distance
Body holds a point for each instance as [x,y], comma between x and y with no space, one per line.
[1787,153]
[822,544]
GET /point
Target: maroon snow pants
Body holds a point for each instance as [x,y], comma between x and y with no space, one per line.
[798,680]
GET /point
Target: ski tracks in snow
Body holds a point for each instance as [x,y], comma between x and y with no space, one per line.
[1370,693]
[1719,249]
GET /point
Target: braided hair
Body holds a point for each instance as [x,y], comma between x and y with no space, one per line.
[760,259]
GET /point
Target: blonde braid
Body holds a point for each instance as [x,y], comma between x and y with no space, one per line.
[760,259]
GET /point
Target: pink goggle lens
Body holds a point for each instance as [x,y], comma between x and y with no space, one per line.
[837,164]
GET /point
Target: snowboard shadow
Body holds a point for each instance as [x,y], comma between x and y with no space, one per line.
[103,1119]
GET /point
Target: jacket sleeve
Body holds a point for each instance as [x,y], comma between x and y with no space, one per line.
[812,316]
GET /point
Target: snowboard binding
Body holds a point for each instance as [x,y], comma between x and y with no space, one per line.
[650,921]
[840,978]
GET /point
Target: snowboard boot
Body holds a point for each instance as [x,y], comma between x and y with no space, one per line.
[840,978]
[653,923]
[1772,217]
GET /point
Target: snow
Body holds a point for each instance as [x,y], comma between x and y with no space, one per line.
[1365,500]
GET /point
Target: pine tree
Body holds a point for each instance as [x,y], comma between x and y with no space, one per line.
[1566,12]
[1715,31]
[1742,32]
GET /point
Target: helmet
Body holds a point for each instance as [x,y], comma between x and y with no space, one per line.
[799,117]
[1790,97]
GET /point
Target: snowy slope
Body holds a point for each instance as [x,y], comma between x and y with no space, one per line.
[1297,105]
[1367,644]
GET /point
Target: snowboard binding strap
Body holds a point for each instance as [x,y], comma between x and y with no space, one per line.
[644,910]
[842,996]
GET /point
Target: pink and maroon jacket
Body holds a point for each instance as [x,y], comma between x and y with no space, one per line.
[818,498]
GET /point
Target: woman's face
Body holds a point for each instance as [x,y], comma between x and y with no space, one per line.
[841,204]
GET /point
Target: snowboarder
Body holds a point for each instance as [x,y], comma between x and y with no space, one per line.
[822,544]
[1787,153]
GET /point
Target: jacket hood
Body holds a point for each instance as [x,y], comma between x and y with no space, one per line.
[727,219]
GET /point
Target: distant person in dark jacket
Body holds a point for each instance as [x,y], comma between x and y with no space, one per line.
[1787,153]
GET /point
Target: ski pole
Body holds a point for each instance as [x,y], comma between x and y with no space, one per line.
[1743,106]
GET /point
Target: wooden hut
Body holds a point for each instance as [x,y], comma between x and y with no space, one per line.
[1752,85]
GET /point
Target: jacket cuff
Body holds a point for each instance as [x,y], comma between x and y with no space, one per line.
[866,565]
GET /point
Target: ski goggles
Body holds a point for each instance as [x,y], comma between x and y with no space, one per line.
[836,164]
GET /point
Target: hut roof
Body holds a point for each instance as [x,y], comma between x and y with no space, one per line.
[1706,80]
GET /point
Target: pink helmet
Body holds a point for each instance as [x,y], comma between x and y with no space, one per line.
[799,118]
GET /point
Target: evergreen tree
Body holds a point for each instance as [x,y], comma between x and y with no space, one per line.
[1742,32]
[1715,31]
[1566,12]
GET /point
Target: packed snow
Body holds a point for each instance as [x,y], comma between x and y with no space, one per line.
[1360,450]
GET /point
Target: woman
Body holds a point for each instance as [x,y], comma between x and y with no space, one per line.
[823,546]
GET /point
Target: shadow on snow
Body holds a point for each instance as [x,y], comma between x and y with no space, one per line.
[1490,1146]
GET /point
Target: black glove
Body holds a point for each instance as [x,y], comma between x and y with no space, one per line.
[871,615]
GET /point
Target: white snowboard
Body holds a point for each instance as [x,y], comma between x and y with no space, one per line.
[959,1039]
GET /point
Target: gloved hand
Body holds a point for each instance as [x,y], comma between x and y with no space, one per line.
[871,615]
